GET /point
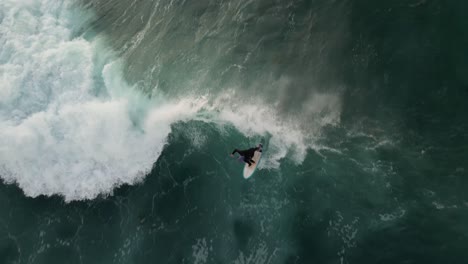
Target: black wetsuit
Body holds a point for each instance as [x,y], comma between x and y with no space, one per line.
[247,154]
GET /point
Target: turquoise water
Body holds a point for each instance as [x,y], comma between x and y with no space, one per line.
[117,119]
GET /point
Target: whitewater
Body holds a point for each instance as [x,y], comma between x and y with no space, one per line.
[71,124]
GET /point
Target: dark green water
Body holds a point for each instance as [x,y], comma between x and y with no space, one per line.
[366,145]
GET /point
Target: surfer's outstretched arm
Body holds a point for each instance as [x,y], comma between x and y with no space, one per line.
[234,152]
[241,152]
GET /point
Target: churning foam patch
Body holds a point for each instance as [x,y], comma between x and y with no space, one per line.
[56,136]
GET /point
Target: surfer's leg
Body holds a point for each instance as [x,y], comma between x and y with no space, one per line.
[247,160]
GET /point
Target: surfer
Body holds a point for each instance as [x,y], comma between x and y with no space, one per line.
[247,154]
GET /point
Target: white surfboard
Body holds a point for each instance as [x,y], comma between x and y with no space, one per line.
[249,171]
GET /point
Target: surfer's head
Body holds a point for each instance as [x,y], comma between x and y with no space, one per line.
[260,145]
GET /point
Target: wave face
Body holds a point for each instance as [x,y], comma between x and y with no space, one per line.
[117,118]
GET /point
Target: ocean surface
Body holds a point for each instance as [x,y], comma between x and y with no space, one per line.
[117,119]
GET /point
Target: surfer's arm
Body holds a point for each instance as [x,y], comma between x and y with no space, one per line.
[234,152]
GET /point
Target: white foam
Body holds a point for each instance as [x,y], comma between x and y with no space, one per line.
[56,137]
[392,216]
[200,251]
